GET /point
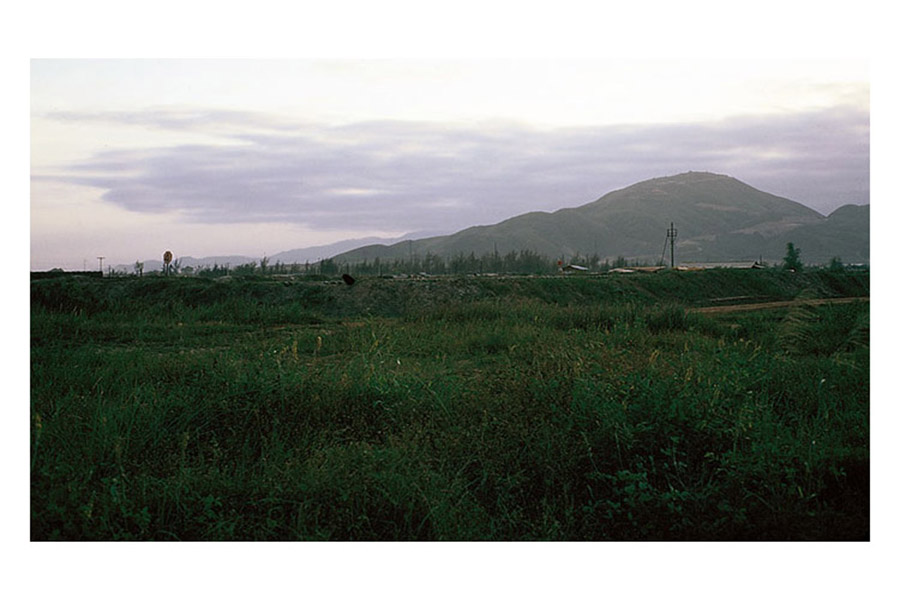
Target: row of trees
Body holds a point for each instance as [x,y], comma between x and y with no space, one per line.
[520,262]
[526,262]
[793,263]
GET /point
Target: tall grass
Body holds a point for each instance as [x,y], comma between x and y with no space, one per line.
[482,416]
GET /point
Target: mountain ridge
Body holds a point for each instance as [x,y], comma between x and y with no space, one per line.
[718,218]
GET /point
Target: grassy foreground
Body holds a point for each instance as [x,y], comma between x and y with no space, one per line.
[460,409]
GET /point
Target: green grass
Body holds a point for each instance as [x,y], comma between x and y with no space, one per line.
[529,409]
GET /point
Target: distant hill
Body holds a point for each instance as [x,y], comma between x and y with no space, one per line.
[844,233]
[718,218]
[311,254]
[316,253]
[190,261]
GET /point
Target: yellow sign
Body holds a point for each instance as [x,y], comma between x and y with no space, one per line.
[167,257]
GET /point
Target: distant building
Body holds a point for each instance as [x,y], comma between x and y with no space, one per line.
[648,269]
[721,265]
[575,269]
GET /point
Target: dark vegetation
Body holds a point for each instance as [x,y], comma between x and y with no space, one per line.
[515,262]
[461,408]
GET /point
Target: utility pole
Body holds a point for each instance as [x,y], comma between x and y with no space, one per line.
[671,234]
[100,258]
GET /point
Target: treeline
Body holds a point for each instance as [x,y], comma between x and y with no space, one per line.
[523,262]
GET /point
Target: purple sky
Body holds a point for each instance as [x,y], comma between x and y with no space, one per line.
[230,157]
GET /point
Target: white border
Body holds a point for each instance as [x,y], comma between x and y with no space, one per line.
[469,29]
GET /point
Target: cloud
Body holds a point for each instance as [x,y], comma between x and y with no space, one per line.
[397,175]
[169,118]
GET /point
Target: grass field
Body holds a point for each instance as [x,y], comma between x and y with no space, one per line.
[556,408]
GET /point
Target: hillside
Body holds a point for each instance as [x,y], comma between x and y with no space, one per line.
[844,233]
[718,218]
[316,253]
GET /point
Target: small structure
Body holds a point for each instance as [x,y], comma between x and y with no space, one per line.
[720,265]
[648,269]
[574,269]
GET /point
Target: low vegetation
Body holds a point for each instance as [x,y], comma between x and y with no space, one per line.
[557,408]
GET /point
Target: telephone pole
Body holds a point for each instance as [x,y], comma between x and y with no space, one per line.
[671,234]
[100,258]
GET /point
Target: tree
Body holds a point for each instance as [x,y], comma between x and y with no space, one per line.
[836,266]
[245,269]
[792,258]
[139,268]
[328,267]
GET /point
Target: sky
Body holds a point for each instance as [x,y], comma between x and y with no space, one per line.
[211,157]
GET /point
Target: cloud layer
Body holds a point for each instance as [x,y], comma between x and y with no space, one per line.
[396,175]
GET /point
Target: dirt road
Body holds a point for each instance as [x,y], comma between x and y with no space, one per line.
[780,304]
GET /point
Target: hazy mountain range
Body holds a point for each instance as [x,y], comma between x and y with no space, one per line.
[311,254]
[717,217]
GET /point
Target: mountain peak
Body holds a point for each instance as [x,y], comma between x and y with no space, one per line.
[695,176]
[687,178]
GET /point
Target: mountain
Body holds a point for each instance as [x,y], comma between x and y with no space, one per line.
[844,233]
[316,253]
[718,218]
[190,261]
[298,255]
